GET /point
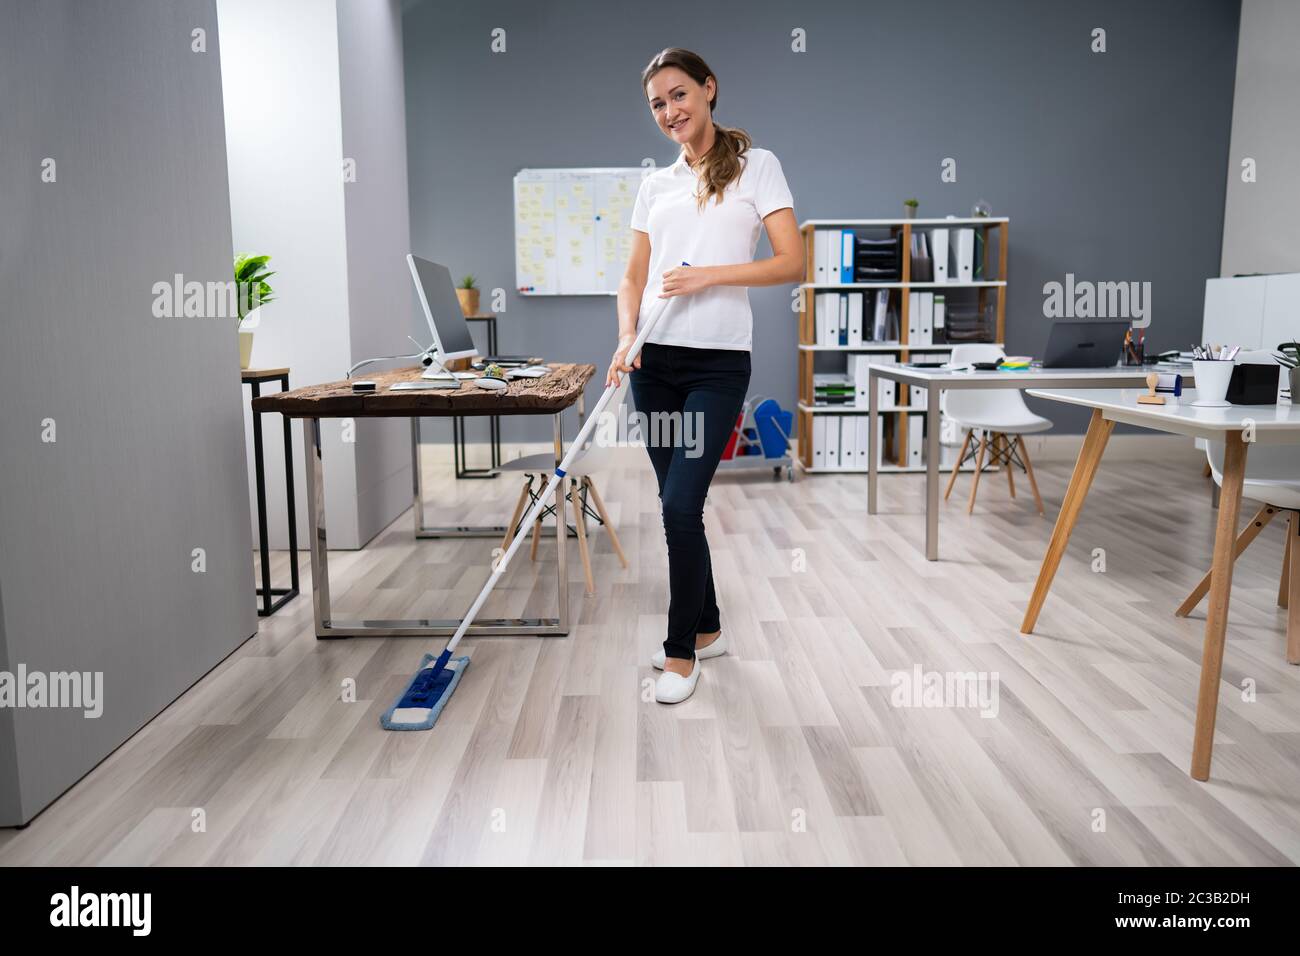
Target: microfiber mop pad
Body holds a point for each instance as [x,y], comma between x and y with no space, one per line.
[424,698]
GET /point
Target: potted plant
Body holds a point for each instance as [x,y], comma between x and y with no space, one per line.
[909,208]
[1288,354]
[251,293]
[468,295]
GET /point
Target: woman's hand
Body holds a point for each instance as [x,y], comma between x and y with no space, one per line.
[685,280]
[619,362]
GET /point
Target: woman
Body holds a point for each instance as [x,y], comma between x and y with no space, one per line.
[706,209]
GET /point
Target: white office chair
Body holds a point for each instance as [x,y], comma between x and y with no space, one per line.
[1001,418]
[594,456]
[1272,476]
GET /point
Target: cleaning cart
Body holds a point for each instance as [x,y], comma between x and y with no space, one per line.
[761,439]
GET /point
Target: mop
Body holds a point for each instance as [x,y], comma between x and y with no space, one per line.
[435,681]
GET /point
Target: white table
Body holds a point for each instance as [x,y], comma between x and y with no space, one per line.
[935,380]
[1237,426]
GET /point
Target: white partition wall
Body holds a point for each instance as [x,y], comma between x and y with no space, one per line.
[317,153]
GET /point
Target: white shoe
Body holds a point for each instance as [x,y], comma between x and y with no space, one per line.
[673,688]
[716,649]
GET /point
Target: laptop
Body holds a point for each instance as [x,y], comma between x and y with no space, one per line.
[1095,344]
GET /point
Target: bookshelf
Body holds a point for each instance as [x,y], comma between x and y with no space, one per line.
[984,293]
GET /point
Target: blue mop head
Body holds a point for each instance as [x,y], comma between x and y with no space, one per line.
[424,698]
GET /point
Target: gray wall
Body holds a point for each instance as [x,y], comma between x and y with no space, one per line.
[1110,166]
[97,528]
[1259,228]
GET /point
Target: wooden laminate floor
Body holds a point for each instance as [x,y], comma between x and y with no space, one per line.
[553,751]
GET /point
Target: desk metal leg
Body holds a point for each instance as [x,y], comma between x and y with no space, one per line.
[1216,620]
[289,499]
[327,627]
[320,576]
[417,488]
[932,473]
[873,440]
[1085,469]
[445,531]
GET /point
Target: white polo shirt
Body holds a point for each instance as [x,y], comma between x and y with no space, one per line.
[724,233]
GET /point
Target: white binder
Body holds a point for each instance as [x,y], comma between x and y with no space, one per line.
[848,443]
[862,425]
[939,244]
[855,318]
[842,326]
[926,323]
[915,444]
[913,318]
[819,441]
[833,255]
[964,255]
[820,238]
[832,439]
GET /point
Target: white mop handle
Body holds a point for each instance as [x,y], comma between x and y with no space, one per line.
[526,524]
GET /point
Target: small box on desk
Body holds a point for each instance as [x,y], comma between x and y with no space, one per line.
[1254,384]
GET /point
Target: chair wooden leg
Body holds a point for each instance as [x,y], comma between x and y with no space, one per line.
[1216,621]
[1006,448]
[537,533]
[1029,470]
[576,498]
[1293,576]
[604,519]
[961,456]
[1248,535]
[1085,469]
[519,512]
[979,466]
[1283,585]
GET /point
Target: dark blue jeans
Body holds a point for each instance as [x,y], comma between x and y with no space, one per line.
[705,388]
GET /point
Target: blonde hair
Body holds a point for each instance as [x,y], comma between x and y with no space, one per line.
[720,166]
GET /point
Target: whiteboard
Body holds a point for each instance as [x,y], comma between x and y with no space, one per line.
[573,229]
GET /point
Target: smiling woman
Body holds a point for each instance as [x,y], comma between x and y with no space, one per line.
[706,209]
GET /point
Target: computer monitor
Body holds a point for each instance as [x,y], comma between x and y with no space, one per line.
[442,310]
[1085,344]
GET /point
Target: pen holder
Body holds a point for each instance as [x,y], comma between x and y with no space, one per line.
[1212,379]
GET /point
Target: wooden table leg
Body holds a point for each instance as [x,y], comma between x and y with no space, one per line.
[1085,469]
[1216,622]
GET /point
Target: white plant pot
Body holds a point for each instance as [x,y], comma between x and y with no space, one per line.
[251,321]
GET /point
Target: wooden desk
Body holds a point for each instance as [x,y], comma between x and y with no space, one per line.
[936,380]
[1268,423]
[550,395]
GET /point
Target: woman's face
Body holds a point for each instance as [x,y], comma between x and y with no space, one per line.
[680,105]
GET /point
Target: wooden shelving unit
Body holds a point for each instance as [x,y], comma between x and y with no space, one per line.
[993,233]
